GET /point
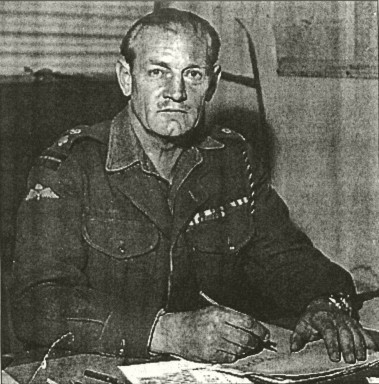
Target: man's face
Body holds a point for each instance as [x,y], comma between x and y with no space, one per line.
[170,81]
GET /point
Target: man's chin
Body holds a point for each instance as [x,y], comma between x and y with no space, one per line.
[183,135]
[173,129]
[169,133]
[189,138]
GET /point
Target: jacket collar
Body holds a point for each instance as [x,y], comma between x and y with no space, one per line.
[124,148]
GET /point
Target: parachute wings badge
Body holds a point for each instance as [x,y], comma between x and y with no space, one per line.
[39,192]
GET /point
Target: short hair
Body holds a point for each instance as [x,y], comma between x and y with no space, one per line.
[170,19]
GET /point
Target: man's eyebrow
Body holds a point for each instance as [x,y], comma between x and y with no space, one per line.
[196,66]
[160,63]
[165,65]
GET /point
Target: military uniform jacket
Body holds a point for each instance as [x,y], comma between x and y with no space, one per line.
[104,245]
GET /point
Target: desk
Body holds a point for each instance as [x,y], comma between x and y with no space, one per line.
[63,369]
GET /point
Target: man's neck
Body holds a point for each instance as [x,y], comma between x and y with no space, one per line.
[161,152]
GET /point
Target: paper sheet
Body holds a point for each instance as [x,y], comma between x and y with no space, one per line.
[310,364]
[178,371]
[287,367]
[7,379]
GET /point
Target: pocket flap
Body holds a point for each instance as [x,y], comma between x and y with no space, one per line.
[223,235]
[120,238]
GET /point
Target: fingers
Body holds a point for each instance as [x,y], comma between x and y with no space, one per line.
[352,340]
[297,342]
[342,334]
[238,349]
[302,334]
[232,335]
[243,322]
[346,342]
[249,325]
[370,342]
[239,341]
[359,341]
[327,327]
[224,356]
[234,345]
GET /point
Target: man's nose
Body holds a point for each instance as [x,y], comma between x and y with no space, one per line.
[176,89]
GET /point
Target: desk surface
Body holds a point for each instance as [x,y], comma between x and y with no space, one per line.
[63,369]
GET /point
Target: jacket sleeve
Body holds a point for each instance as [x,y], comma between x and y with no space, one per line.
[51,293]
[282,263]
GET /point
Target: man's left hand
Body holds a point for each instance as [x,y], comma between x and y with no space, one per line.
[341,333]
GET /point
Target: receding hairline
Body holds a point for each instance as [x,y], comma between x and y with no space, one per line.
[143,34]
[175,21]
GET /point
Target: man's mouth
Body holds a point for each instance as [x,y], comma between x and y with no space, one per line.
[172,110]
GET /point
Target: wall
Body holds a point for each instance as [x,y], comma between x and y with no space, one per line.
[66,36]
[327,166]
[325,129]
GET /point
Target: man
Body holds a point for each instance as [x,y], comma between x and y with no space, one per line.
[133,230]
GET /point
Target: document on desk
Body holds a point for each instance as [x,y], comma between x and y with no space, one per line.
[310,364]
[178,371]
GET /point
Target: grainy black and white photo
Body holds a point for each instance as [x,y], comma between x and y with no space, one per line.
[189,192]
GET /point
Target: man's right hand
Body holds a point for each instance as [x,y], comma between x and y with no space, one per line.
[212,334]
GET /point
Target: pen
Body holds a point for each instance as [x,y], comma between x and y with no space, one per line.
[266,344]
[269,345]
[101,376]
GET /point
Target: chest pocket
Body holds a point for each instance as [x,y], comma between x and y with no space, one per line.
[225,234]
[121,239]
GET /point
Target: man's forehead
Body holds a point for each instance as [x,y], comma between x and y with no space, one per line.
[157,42]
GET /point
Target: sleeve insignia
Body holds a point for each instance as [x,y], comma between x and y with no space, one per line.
[39,192]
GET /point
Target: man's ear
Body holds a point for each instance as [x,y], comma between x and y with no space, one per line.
[216,75]
[124,76]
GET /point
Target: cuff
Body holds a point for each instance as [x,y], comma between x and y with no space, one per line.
[127,334]
[160,313]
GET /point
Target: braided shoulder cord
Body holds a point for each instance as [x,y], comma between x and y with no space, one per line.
[249,171]
[250,180]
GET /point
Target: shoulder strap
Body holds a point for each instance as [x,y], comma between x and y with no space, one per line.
[57,153]
[227,133]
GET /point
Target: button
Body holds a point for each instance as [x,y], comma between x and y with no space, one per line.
[121,247]
[226,130]
[232,247]
[75,131]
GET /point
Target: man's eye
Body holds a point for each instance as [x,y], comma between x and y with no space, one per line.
[194,75]
[155,72]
